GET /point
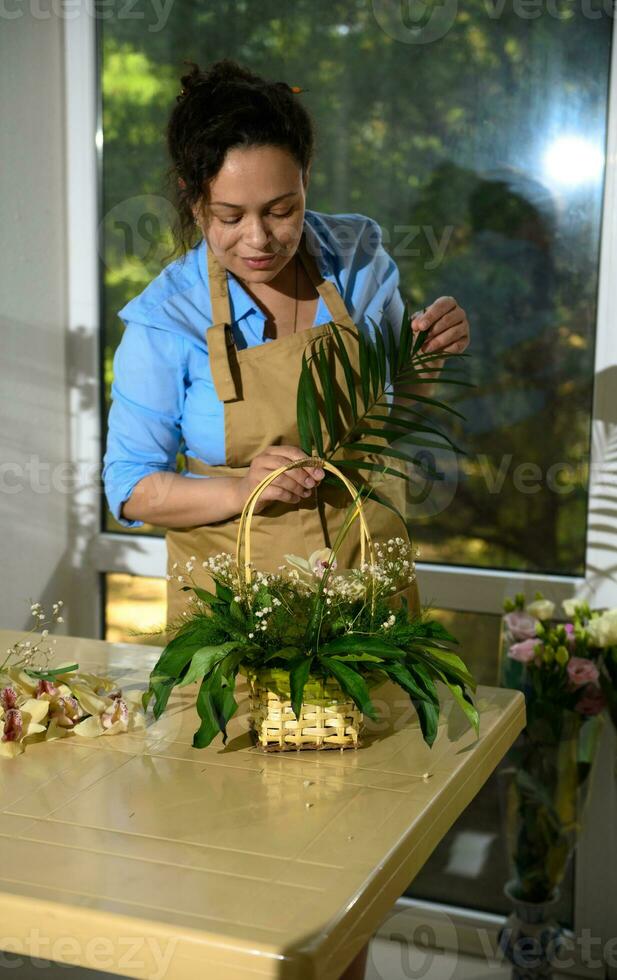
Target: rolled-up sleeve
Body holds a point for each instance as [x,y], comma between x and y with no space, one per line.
[144,425]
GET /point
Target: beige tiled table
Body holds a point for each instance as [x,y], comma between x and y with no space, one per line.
[142,856]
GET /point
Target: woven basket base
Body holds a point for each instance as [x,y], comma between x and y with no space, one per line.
[307,747]
[275,728]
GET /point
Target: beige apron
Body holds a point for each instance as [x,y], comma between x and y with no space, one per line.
[258,386]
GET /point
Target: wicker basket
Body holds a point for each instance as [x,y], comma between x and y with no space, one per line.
[328,718]
[329,721]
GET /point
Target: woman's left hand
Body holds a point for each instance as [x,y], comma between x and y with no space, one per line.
[447,325]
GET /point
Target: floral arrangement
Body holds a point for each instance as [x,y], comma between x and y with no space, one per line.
[567,672]
[39,702]
[309,622]
[570,663]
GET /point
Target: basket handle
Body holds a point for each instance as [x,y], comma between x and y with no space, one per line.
[249,507]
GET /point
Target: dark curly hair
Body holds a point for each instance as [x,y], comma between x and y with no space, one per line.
[224,107]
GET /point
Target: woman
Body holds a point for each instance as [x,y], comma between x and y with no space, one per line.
[211,354]
[212,349]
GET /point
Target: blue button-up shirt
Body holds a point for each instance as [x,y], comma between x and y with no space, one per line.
[163,395]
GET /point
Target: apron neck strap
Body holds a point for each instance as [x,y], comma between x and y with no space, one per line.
[219,337]
[219,291]
[326,289]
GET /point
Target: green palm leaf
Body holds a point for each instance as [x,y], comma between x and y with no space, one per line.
[325,376]
[309,397]
[302,411]
[347,370]
[394,424]
[356,464]
[365,371]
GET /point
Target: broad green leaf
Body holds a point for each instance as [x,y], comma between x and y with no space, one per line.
[465,703]
[177,654]
[299,670]
[208,597]
[399,672]
[438,661]
[204,660]
[352,642]
[223,592]
[356,657]
[209,720]
[352,683]
[285,653]
[426,709]
[425,680]
[215,706]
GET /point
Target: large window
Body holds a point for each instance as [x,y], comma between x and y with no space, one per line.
[476,138]
[480,153]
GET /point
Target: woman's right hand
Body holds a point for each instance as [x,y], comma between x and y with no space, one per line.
[290,488]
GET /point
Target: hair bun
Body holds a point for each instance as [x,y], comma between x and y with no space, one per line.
[221,72]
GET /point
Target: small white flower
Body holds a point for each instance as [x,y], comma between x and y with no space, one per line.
[60,619]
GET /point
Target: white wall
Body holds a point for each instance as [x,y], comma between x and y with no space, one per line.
[34,439]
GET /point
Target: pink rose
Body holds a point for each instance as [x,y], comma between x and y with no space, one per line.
[523,652]
[521,625]
[582,671]
[592,701]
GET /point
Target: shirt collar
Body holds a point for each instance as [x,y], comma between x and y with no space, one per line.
[242,304]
